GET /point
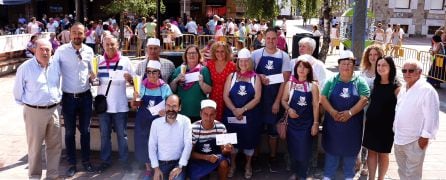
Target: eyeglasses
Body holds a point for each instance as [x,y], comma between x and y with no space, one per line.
[191,53]
[152,72]
[79,57]
[408,70]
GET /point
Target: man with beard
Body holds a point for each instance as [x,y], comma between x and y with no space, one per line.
[170,142]
[74,59]
[153,53]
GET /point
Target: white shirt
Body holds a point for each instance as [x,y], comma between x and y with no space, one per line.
[191,27]
[51,27]
[319,71]
[117,98]
[388,34]
[176,31]
[169,142]
[416,113]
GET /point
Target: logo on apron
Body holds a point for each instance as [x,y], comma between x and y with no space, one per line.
[242,90]
[270,65]
[345,93]
[206,148]
[302,101]
[151,103]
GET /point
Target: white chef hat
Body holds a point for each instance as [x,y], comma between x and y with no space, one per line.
[244,53]
[208,103]
[153,41]
[154,64]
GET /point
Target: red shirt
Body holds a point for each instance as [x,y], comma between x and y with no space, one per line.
[218,84]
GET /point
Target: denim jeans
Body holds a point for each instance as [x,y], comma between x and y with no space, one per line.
[118,123]
[166,167]
[71,108]
[332,162]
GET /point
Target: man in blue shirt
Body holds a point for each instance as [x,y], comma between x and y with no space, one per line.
[74,59]
[37,87]
[170,142]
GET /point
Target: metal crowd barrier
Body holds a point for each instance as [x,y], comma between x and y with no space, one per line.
[437,68]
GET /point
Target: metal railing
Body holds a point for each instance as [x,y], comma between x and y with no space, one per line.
[433,66]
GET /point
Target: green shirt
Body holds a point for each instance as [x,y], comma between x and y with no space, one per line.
[360,83]
[191,98]
[150,29]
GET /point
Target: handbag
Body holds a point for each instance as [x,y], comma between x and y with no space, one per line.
[282,125]
[100,101]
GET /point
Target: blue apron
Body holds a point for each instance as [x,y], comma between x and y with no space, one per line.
[343,138]
[197,169]
[299,137]
[248,134]
[269,66]
[143,122]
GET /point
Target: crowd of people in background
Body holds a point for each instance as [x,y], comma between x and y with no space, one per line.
[178,118]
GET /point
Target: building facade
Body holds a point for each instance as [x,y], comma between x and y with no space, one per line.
[417,17]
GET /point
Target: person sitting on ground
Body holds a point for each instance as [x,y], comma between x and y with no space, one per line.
[206,155]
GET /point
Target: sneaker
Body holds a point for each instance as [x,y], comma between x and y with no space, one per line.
[273,165]
[71,171]
[103,167]
[88,167]
[248,172]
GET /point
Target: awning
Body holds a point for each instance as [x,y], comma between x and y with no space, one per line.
[14,2]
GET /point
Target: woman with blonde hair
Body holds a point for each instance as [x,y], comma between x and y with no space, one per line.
[220,66]
[368,63]
[242,93]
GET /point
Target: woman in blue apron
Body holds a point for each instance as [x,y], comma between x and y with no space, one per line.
[344,98]
[153,91]
[301,101]
[206,155]
[241,95]
[272,61]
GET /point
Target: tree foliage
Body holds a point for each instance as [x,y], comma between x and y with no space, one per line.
[138,7]
[308,8]
[261,9]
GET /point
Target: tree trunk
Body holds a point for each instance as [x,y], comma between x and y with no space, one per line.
[326,38]
[358,30]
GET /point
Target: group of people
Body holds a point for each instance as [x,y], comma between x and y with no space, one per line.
[176,124]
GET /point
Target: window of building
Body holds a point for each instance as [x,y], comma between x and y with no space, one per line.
[432,29]
[437,4]
[402,4]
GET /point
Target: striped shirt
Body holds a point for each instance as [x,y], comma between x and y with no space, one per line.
[204,135]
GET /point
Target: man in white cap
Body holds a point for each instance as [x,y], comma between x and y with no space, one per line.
[153,53]
[206,155]
[170,142]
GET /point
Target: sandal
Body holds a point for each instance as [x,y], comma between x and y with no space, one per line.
[364,172]
[231,171]
[248,173]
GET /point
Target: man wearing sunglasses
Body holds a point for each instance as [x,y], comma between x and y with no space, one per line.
[153,53]
[74,59]
[416,121]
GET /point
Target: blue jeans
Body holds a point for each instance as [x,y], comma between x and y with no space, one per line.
[117,122]
[71,108]
[332,162]
[166,167]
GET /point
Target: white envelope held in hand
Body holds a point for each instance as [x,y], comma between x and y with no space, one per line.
[234,120]
[229,138]
[192,77]
[117,75]
[154,110]
[275,79]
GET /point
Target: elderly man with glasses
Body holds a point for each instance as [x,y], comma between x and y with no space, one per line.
[416,121]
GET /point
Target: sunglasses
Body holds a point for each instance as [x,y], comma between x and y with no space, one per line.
[79,55]
[408,70]
[152,72]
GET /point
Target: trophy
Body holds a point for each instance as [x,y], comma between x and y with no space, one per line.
[95,69]
[137,87]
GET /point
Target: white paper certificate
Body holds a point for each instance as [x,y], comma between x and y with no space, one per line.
[234,120]
[229,138]
[116,75]
[192,77]
[157,108]
[276,78]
